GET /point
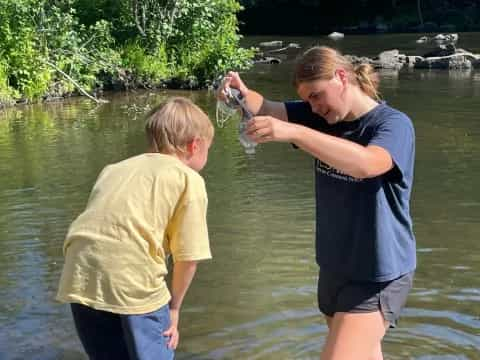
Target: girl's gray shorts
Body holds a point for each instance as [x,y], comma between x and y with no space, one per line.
[338,294]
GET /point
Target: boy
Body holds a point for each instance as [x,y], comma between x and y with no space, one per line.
[141,210]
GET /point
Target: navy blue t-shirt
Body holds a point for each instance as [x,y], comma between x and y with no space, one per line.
[364,228]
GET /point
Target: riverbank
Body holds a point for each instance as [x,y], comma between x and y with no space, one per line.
[50,51]
[124,82]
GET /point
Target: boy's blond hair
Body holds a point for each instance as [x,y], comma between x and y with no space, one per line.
[172,124]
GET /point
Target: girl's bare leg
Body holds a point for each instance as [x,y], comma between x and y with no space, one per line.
[355,336]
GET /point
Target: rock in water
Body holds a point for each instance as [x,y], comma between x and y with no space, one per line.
[271,43]
[422,40]
[336,36]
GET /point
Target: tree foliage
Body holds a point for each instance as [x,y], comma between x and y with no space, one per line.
[199,38]
[45,44]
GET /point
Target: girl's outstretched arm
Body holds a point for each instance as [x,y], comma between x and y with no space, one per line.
[255,102]
[346,156]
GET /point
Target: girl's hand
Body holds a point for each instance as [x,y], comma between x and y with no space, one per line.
[263,129]
[172,331]
[231,80]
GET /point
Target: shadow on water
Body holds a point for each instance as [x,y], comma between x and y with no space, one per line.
[257,298]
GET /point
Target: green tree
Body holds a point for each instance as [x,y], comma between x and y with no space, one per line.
[200,38]
[62,46]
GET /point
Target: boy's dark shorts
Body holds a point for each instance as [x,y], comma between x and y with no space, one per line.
[337,294]
[109,336]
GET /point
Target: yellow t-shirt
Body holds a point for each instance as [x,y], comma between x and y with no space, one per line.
[140,210]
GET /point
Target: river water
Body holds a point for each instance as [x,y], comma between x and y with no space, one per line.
[257,298]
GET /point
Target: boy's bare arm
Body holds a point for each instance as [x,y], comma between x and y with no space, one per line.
[183,272]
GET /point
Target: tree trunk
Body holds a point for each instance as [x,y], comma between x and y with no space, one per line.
[419,9]
[136,16]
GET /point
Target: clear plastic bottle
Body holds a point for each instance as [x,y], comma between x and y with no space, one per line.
[236,100]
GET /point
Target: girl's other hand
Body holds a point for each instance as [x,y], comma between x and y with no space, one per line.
[263,129]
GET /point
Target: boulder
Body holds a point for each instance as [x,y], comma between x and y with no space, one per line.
[459,63]
[431,64]
[275,43]
[453,37]
[423,40]
[389,55]
[449,62]
[412,60]
[336,36]
[267,60]
[468,55]
[446,39]
[356,60]
[288,47]
[389,60]
[439,39]
[441,50]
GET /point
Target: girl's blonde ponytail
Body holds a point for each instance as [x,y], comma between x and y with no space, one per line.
[368,80]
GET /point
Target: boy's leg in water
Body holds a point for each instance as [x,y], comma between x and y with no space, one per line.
[355,336]
[100,332]
[144,335]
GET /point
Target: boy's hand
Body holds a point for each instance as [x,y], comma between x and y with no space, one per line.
[172,331]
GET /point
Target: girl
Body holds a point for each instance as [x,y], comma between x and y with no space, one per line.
[364,159]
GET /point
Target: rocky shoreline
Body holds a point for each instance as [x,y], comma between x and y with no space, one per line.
[440,52]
